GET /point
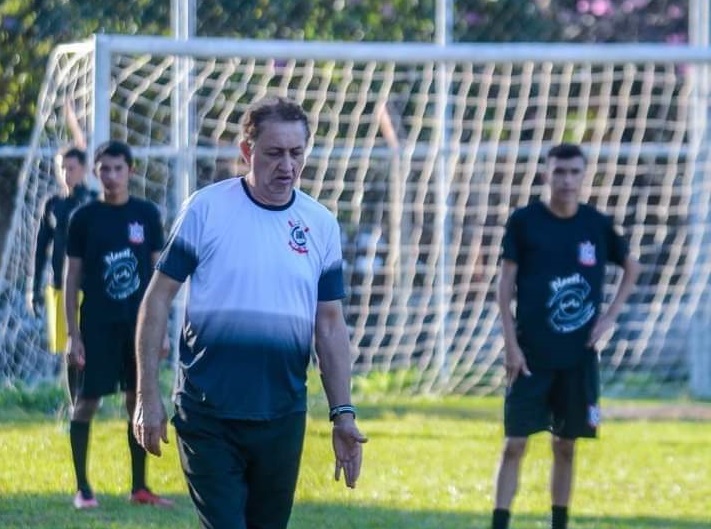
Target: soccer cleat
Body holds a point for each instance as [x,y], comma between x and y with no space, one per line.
[146,497]
[84,501]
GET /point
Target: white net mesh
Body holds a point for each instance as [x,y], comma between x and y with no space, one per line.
[422,186]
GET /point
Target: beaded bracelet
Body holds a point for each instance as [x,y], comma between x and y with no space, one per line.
[339,410]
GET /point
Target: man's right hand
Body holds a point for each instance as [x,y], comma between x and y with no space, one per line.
[150,422]
[515,364]
[75,351]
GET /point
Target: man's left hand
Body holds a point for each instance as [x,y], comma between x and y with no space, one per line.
[348,448]
[603,324]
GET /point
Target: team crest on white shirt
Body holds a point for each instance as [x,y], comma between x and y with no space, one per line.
[586,254]
[136,233]
[297,237]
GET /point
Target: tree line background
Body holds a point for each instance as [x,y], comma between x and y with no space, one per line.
[29,29]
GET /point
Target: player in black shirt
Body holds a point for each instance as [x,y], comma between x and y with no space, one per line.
[52,235]
[553,264]
[112,246]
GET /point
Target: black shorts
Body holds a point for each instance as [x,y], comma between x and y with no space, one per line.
[562,401]
[240,473]
[110,358]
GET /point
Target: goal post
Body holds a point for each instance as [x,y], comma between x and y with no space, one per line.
[422,151]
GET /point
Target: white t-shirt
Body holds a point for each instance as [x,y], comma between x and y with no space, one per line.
[255,275]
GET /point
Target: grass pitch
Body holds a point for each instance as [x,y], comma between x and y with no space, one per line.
[429,464]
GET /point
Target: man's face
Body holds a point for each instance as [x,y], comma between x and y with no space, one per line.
[114,173]
[565,177]
[72,171]
[277,159]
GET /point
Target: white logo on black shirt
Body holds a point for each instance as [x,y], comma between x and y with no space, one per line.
[570,308]
[121,274]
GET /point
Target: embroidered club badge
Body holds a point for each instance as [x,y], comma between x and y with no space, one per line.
[586,254]
[135,233]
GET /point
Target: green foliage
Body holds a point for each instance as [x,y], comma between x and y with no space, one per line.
[350,20]
[20,401]
[29,29]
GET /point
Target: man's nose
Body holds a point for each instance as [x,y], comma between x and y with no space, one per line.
[286,162]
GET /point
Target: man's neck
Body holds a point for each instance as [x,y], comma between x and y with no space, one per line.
[563,210]
[75,188]
[116,200]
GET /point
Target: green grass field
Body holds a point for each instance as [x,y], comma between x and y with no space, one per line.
[428,464]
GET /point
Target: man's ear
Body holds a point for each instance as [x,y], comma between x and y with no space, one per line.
[246,149]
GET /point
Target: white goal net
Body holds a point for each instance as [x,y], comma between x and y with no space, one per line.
[422,152]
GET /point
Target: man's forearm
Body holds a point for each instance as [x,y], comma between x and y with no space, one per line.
[508,324]
[335,366]
[71,295]
[151,328]
[624,290]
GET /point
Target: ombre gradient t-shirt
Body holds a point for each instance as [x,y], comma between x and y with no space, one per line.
[255,274]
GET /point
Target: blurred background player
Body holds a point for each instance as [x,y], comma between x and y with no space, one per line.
[554,259]
[50,244]
[112,247]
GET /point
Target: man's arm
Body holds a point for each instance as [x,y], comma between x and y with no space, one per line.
[514,361]
[630,273]
[150,419]
[73,124]
[333,351]
[42,242]
[72,285]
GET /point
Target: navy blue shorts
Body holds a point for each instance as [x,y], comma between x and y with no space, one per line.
[240,474]
[564,402]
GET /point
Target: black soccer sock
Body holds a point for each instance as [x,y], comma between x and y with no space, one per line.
[79,441]
[500,519]
[138,461]
[559,517]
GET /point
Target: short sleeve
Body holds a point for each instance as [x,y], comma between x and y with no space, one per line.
[76,234]
[330,284]
[510,246]
[180,256]
[156,227]
[617,247]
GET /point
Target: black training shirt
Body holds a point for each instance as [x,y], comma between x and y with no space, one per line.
[115,244]
[561,274]
[53,231]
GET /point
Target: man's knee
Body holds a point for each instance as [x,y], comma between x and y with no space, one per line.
[84,409]
[563,449]
[514,448]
